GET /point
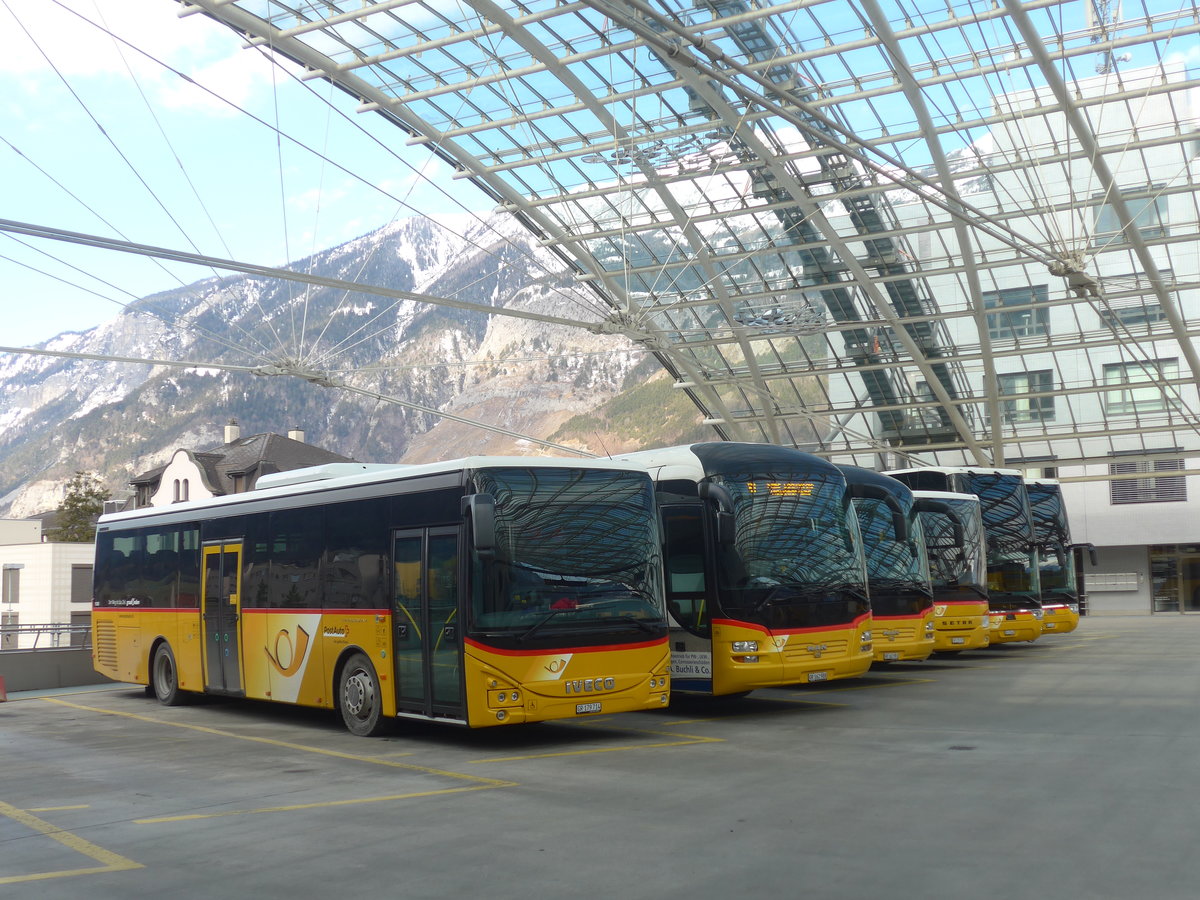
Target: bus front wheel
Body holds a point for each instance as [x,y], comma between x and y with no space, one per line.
[359,697]
[164,677]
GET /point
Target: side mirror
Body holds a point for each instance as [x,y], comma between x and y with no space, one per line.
[870,492]
[720,496]
[928,504]
[480,509]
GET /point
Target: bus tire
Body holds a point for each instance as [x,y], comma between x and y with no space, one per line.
[164,677]
[359,697]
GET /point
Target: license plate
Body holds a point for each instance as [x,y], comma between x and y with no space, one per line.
[1008,632]
[887,657]
[958,640]
[818,676]
[1051,624]
[581,708]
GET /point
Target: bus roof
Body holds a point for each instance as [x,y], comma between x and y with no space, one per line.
[298,482]
[697,461]
[945,495]
[957,470]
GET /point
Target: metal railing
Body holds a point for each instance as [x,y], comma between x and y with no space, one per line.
[45,637]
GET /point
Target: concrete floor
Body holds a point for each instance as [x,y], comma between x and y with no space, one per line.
[1061,769]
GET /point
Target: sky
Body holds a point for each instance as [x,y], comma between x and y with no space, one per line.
[104,135]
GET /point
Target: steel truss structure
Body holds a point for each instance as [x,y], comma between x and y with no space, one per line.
[963,230]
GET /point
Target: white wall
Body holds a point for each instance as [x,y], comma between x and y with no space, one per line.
[1109,596]
[181,468]
[20,531]
[45,582]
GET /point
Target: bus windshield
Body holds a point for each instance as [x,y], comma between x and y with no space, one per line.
[796,540]
[1057,571]
[575,548]
[897,570]
[950,566]
[1004,503]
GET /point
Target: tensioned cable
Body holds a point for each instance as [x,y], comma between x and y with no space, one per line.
[167,317]
[99,241]
[324,382]
[534,261]
[182,168]
[108,137]
[120,154]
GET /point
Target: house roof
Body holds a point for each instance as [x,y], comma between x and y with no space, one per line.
[255,455]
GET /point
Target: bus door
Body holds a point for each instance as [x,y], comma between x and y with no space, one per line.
[222,614]
[427,633]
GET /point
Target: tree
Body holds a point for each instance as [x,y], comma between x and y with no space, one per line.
[82,505]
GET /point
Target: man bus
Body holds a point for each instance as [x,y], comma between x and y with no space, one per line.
[1014,594]
[902,610]
[482,591]
[1057,575]
[952,525]
[766,583]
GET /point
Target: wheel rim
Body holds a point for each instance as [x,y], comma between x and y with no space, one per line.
[163,676]
[359,694]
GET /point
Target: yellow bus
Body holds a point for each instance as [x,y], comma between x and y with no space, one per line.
[1058,574]
[1014,592]
[954,539]
[766,584]
[483,591]
[902,609]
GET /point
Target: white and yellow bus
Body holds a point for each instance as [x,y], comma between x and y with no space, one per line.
[1057,573]
[765,578]
[902,609]
[483,591]
[952,525]
[1014,592]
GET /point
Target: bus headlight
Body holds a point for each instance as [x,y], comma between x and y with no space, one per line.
[1038,613]
[745,646]
[865,637]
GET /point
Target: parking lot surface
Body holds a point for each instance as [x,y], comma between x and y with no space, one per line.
[1059,769]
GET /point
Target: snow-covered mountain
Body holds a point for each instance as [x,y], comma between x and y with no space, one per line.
[58,415]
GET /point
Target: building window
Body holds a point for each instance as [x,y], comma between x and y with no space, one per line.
[1148,213]
[1017,323]
[186,492]
[1153,398]
[81,584]
[175,493]
[1158,489]
[10,585]
[1027,409]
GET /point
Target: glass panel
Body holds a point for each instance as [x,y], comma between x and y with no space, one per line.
[1189,583]
[684,537]
[406,616]
[442,574]
[1164,579]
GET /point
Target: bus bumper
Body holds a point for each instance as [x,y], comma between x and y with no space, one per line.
[1059,619]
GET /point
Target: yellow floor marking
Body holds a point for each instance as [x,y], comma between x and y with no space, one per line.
[303,748]
[684,741]
[109,861]
[318,805]
[55,808]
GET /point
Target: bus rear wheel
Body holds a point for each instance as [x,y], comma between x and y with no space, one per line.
[359,697]
[164,677]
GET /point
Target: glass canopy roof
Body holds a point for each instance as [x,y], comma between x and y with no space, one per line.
[964,230]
